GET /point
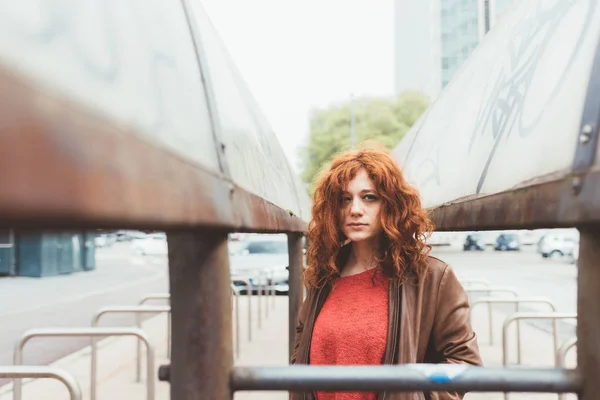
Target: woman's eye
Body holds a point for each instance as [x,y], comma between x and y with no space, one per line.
[346,199]
[370,197]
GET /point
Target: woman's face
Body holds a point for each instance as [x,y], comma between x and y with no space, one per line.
[360,207]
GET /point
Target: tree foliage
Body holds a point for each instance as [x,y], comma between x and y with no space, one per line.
[380,120]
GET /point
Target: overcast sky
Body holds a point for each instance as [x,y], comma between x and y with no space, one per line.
[298,54]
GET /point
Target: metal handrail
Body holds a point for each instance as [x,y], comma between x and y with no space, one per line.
[249,294]
[138,320]
[272,290]
[493,289]
[92,333]
[517,301]
[137,310]
[235,292]
[266,287]
[40,372]
[532,316]
[472,281]
[405,377]
[561,356]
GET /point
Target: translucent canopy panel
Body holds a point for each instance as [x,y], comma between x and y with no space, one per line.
[512,116]
[132,113]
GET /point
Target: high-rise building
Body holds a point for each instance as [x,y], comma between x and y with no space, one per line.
[433,38]
[417,46]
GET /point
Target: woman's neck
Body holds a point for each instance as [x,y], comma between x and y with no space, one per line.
[362,257]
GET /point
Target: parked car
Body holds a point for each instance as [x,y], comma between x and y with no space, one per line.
[558,244]
[507,242]
[474,241]
[262,260]
[154,244]
[105,240]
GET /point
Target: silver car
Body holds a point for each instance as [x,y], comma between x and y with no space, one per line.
[262,260]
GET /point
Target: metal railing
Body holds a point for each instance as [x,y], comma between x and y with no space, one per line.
[533,316]
[492,289]
[272,285]
[249,294]
[137,310]
[561,356]
[40,372]
[405,377]
[474,281]
[138,321]
[235,293]
[91,333]
[268,287]
[517,301]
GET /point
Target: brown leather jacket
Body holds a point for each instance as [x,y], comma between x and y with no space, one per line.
[428,323]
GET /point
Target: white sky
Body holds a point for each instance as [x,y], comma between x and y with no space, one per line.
[298,54]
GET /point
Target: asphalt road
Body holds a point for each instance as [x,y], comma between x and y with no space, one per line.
[71,300]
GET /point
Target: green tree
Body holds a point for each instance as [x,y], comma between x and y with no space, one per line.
[381,120]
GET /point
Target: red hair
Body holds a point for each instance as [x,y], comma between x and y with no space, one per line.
[405,223]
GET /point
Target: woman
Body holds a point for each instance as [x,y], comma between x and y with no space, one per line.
[375,296]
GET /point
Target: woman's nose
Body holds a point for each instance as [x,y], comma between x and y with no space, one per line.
[356,208]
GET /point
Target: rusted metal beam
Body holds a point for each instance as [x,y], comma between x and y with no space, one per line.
[588,310]
[557,201]
[295,287]
[66,167]
[202,353]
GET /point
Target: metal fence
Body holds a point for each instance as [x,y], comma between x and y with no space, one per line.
[510,300]
[19,372]
[137,311]
[91,333]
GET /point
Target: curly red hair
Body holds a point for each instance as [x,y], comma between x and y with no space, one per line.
[405,223]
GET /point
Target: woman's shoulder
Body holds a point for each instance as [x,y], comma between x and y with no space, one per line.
[438,270]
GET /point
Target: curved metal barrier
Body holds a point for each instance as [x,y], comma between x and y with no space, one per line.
[137,310]
[235,292]
[561,356]
[91,333]
[493,289]
[474,281]
[138,320]
[516,300]
[532,316]
[249,295]
[40,372]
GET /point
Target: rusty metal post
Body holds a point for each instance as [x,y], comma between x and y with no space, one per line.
[295,290]
[202,354]
[588,310]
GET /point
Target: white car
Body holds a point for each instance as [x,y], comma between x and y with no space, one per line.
[262,260]
[154,244]
[557,244]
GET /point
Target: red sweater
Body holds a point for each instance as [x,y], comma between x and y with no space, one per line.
[351,328]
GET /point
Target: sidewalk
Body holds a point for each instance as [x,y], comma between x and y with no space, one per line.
[116,362]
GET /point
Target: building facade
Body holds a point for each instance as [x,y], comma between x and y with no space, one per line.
[433,38]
